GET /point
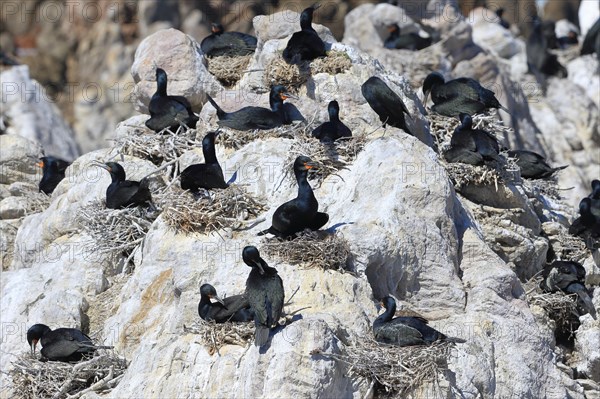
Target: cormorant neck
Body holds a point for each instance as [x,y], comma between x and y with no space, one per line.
[161,85]
[304,189]
[117,175]
[210,155]
[388,314]
[334,115]
[306,21]
[276,104]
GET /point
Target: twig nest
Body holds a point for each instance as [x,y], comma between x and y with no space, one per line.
[559,306]
[311,249]
[33,379]
[210,210]
[236,139]
[228,70]
[216,335]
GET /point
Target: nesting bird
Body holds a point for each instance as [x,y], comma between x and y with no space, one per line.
[123,193]
[472,146]
[230,44]
[300,213]
[409,41]
[568,277]
[539,59]
[250,118]
[305,45]
[207,175]
[587,225]
[235,308]
[335,128]
[62,344]
[53,172]
[533,165]
[168,111]
[462,95]
[264,290]
[387,104]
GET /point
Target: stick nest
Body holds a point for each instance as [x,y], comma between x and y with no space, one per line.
[228,70]
[216,335]
[311,249]
[293,76]
[398,370]
[236,139]
[568,247]
[211,211]
[36,203]
[559,306]
[32,379]
[159,147]
[114,230]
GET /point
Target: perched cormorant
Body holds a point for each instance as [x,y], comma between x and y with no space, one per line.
[264,290]
[233,308]
[249,118]
[539,59]
[462,95]
[335,128]
[227,43]
[533,165]
[591,42]
[207,175]
[502,21]
[472,146]
[53,172]
[387,104]
[300,213]
[409,41]
[168,111]
[122,193]
[305,45]
[568,277]
[587,225]
[62,344]
[405,331]
[595,199]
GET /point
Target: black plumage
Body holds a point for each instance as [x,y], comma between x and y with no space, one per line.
[335,128]
[168,111]
[231,44]
[533,165]
[250,118]
[408,41]
[122,193]
[595,199]
[568,277]
[300,213]
[53,172]
[462,95]
[591,42]
[305,45]
[387,104]
[405,331]
[207,175]
[501,20]
[234,308]
[472,146]
[587,225]
[62,344]
[264,290]
[539,59]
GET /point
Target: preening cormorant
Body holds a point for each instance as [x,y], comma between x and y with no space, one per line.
[249,118]
[472,146]
[227,43]
[168,111]
[62,344]
[53,172]
[387,104]
[300,213]
[305,45]
[568,277]
[234,308]
[405,331]
[264,290]
[409,41]
[122,193]
[533,165]
[335,128]
[462,95]
[207,175]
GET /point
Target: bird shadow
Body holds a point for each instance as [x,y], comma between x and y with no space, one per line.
[293,113]
[233,178]
[333,229]
[264,349]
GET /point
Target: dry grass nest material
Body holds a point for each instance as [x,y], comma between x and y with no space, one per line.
[211,211]
[228,70]
[159,147]
[216,335]
[311,249]
[293,76]
[114,230]
[397,369]
[569,247]
[559,306]
[236,139]
[32,379]
[36,203]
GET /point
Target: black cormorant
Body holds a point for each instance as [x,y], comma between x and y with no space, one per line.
[539,59]
[409,41]
[472,146]
[207,175]
[387,104]
[53,172]
[587,225]
[591,42]
[300,213]
[305,45]
[122,193]
[62,344]
[462,95]
[168,111]
[227,43]
[249,118]
[533,165]
[233,308]
[405,331]
[569,277]
[264,290]
[335,128]
[595,199]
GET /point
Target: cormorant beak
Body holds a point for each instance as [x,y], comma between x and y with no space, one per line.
[216,298]
[33,346]
[309,165]
[285,95]
[259,266]
[392,28]
[316,6]
[40,164]
[426,98]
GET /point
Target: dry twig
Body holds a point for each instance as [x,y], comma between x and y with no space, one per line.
[215,335]
[228,70]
